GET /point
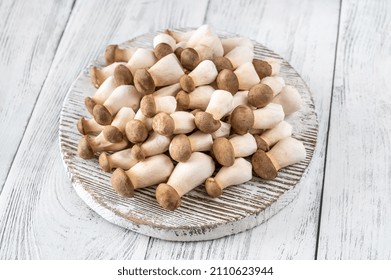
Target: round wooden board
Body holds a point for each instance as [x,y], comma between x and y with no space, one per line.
[200,217]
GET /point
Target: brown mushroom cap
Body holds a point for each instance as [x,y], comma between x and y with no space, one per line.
[122,75]
[263,166]
[178,52]
[84,148]
[206,123]
[183,100]
[213,188]
[167,197]
[261,143]
[190,58]
[136,131]
[90,104]
[110,54]
[104,162]
[101,115]
[222,63]
[242,119]
[223,151]
[148,106]
[180,148]
[81,125]
[262,68]
[228,81]
[143,81]
[260,95]
[162,49]
[163,124]
[187,83]
[121,183]
[112,134]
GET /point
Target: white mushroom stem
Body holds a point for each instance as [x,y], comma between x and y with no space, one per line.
[164,38]
[231,43]
[247,76]
[239,173]
[240,98]
[200,141]
[116,53]
[203,44]
[223,131]
[180,36]
[220,104]
[182,146]
[271,136]
[206,37]
[240,55]
[142,58]
[124,159]
[176,123]
[168,91]
[124,115]
[226,150]
[141,117]
[286,152]
[275,83]
[268,116]
[204,74]
[104,91]
[197,99]
[122,96]
[100,74]
[150,105]
[155,144]
[122,76]
[243,145]
[151,171]
[181,44]
[183,122]
[275,65]
[290,100]
[87,126]
[166,71]
[185,177]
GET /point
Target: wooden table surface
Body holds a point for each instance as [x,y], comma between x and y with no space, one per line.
[342,49]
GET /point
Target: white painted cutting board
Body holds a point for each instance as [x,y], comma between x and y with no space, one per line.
[200,217]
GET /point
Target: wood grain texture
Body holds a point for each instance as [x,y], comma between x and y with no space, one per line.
[305,34]
[355,221]
[29,35]
[41,216]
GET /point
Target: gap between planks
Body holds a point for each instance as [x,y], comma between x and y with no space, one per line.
[327,131]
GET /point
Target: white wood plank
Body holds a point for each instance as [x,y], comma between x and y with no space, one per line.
[355,221]
[30,32]
[41,216]
[305,34]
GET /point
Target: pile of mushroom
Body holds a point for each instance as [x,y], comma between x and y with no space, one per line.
[197,109]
